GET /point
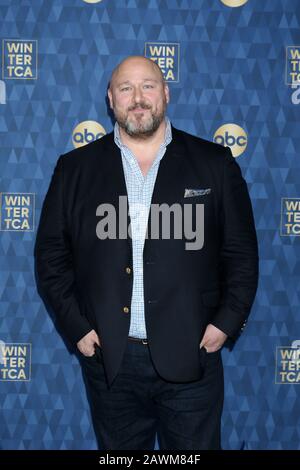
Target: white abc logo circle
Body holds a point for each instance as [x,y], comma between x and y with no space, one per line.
[92,1]
[86,132]
[234,3]
[233,136]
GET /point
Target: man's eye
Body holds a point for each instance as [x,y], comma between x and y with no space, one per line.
[125,88]
[148,86]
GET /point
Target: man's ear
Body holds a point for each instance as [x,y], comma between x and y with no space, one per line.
[167,93]
[109,93]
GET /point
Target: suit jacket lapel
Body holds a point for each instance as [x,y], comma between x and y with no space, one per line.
[117,177]
[166,188]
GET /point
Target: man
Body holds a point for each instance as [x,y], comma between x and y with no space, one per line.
[149,311]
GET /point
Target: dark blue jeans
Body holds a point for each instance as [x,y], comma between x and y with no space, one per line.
[139,404]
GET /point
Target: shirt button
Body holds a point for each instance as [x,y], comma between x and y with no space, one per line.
[128,270]
[125,309]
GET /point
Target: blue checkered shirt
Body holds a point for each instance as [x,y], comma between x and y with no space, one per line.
[139,190]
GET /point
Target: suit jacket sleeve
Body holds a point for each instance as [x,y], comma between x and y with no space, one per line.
[239,251]
[53,259]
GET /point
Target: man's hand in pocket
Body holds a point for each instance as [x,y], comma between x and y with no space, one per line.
[213,339]
[87,344]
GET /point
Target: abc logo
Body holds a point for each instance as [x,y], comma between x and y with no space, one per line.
[232,136]
[234,3]
[295,95]
[86,132]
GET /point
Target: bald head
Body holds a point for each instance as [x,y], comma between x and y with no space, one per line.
[138,95]
[130,63]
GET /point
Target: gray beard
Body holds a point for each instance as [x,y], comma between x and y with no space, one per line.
[142,131]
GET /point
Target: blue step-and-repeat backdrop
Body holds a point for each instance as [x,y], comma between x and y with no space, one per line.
[233,68]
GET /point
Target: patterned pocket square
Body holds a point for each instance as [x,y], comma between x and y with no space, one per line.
[196,192]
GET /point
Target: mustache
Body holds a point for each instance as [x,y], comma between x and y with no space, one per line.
[138,106]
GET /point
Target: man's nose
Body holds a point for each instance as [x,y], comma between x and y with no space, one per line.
[138,94]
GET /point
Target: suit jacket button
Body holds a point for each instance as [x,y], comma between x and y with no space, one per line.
[125,309]
[128,270]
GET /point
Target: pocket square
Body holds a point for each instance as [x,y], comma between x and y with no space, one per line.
[196,192]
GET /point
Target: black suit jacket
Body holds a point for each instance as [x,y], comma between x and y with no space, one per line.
[85,279]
